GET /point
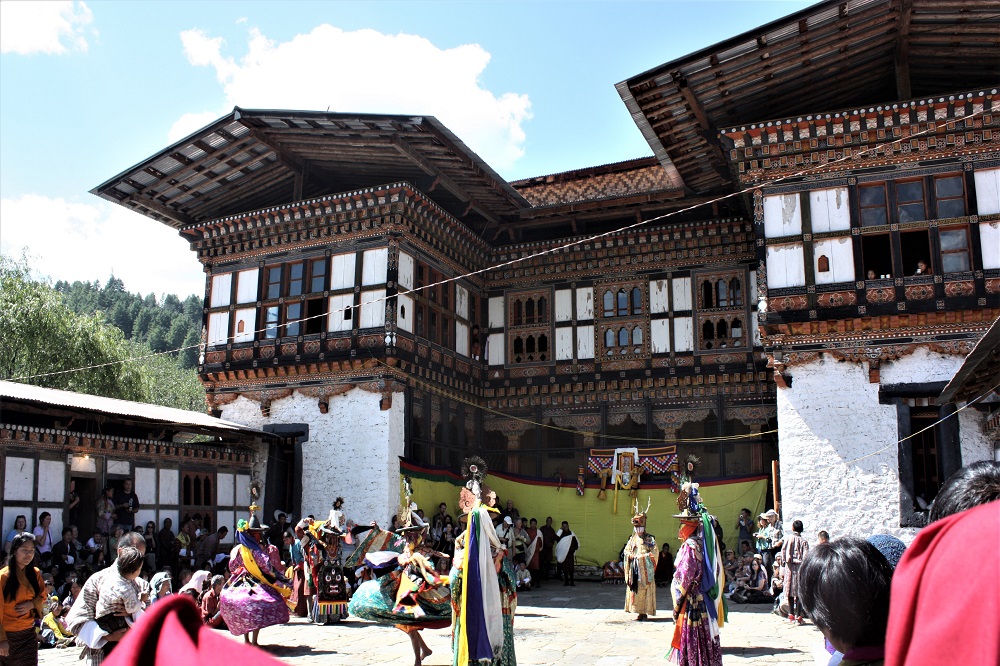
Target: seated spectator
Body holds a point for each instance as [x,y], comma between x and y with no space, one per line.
[159,586]
[777,575]
[54,633]
[94,544]
[208,547]
[745,548]
[523,577]
[195,586]
[72,593]
[755,590]
[210,614]
[844,589]
[926,623]
[730,564]
[20,525]
[744,569]
[64,553]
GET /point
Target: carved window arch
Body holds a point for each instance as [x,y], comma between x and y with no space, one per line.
[622,303]
[707,295]
[736,291]
[636,301]
[722,294]
[609,304]
[609,339]
[529,327]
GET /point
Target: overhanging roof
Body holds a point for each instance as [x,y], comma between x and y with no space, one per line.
[834,54]
[980,371]
[253,159]
[13,392]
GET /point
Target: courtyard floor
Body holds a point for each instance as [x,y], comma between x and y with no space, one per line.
[572,626]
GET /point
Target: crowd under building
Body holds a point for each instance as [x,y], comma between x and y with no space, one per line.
[793,276]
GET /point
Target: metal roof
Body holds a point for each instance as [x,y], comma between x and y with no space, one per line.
[181,418]
[831,55]
[251,159]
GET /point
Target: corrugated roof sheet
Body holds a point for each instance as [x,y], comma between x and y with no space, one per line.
[138,410]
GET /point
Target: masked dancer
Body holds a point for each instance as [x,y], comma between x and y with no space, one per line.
[699,609]
[640,556]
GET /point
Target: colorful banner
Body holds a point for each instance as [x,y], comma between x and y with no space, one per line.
[602,533]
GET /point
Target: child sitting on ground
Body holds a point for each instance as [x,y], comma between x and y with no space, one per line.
[523,577]
[119,593]
[54,634]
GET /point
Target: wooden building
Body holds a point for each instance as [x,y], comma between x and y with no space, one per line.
[378,291]
[181,462]
[863,140]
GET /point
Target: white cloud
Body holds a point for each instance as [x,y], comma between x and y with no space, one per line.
[44,27]
[83,241]
[190,123]
[366,71]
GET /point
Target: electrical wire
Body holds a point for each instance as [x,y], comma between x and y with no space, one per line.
[541,253]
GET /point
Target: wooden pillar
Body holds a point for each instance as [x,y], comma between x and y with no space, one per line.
[513,445]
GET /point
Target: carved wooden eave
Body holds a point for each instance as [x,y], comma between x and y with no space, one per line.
[61,441]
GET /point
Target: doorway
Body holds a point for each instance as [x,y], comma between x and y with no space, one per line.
[86,514]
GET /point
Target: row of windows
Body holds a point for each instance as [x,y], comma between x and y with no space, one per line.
[622,303]
[528,310]
[936,197]
[626,340]
[878,253]
[723,293]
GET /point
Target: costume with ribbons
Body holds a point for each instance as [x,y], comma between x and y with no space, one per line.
[406,591]
[483,583]
[257,594]
[696,590]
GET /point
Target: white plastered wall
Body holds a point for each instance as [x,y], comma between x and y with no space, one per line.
[353,450]
[838,444]
[782,215]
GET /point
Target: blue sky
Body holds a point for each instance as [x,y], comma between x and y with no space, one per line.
[89,89]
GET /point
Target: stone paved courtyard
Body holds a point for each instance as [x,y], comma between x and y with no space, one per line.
[578,626]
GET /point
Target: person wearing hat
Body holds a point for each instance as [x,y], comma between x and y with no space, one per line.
[255,596]
[640,555]
[773,537]
[696,590]
[160,586]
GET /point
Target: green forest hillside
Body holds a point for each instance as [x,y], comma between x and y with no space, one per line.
[99,339]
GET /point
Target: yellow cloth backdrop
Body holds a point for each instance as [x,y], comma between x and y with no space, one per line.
[602,533]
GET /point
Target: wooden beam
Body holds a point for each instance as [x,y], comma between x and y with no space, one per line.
[902,61]
[408,151]
[137,200]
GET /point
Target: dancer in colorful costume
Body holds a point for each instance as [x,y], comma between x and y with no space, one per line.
[483,582]
[257,593]
[640,556]
[699,608]
[406,593]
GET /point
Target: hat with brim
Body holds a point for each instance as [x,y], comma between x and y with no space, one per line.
[688,517]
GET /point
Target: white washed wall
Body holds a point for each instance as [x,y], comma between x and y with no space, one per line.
[342,270]
[840,252]
[659,335]
[683,334]
[659,300]
[247,317]
[341,317]
[989,235]
[495,349]
[372,309]
[785,267]
[782,215]
[584,303]
[246,286]
[584,342]
[19,479]
[169,488]
[51,480]
[405,271]
[988,191]
[374,266]
[404,313]
[975,444]
[222,286]
[564,304]
[829,418]
[682,293]
[564,343]
[829,210]
[218,328]
[496,313]
[353,450]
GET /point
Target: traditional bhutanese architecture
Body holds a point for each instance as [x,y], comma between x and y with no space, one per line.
[375,290]
[863,139]
[181,462]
